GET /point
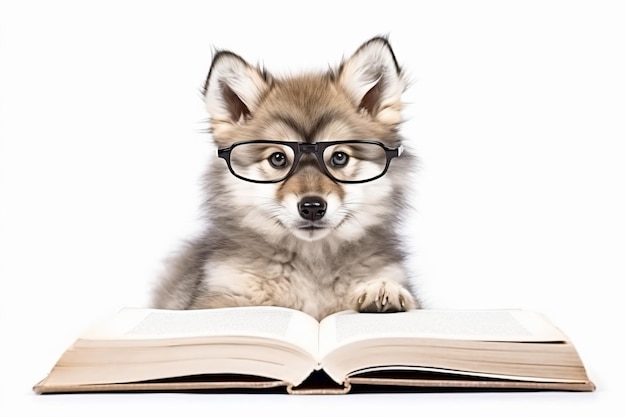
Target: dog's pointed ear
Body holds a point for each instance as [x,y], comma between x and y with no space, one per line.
[233,88]
[374,80]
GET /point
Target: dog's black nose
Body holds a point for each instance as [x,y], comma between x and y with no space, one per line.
[312,208]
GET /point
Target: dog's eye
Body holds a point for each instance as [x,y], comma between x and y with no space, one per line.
[339,159]
[278,160]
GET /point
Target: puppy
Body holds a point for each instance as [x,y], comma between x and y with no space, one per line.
[304,195]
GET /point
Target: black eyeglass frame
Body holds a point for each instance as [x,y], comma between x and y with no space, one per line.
[317,148]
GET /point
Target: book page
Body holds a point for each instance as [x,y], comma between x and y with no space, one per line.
[490,325]
[279,323]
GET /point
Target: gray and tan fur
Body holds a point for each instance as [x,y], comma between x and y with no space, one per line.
[255,250]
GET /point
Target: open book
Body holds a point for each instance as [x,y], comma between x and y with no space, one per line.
[275,347]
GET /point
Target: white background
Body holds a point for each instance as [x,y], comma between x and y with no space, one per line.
[517,111]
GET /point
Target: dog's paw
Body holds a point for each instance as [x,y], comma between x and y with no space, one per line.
[382,296]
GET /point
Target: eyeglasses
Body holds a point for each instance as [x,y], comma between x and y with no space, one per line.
[269,161]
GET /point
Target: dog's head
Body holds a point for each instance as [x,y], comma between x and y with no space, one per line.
[307,187]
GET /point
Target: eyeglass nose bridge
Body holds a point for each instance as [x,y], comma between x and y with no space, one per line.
[315,150]
[308,147]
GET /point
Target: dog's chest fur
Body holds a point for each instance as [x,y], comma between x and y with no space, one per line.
[317,279]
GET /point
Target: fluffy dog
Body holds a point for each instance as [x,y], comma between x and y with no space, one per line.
[303,201]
